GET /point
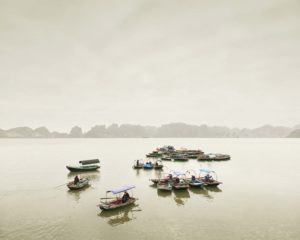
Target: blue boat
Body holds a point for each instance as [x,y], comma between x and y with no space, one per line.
[148,165]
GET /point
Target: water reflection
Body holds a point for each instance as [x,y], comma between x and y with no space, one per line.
[76,193]
[213,189]
[202,191]
[164,193]
[120,216]
[181,197]
[95,175]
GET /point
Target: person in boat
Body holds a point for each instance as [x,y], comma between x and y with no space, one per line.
[177,180]
[208,178]
[76,179]
[193,178]
[137,163]
[125,197]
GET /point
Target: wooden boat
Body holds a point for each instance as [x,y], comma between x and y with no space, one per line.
[180,182]
[166,158]
[196,183]
[84,182]
[208,179]
[138,164]
[154,154]
[158,165]
[164,186]
[180,157]
[85,165]
[118,202]
[213,157]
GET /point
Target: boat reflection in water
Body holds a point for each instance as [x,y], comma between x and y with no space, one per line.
[89,175]
[76,194]
[181,197]
[213,189]
[121,215]
[203,192]
[164,193]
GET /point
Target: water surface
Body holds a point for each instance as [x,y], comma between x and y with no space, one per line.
[259,197]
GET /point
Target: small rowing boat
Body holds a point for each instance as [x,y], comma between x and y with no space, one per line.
[138,164]
[208,179]
[148,165]
[125,200]
[180,182]
[82,183]
[164,186]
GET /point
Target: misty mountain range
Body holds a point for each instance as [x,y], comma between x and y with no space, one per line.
[172,130]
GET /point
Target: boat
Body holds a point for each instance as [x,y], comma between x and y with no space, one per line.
[84,182]
[180,157]
[194,182]
[148,165]
[158,165]
[208,179]
[166,158]
[118,201]
[180,182]
[213,157]
[154,154]
[164,186]
[85,165]
[138,164]
[167,178]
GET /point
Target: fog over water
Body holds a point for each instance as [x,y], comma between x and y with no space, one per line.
[66,63]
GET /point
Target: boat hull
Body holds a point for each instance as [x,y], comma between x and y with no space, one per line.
[110,206]
[82,169]
[80,185]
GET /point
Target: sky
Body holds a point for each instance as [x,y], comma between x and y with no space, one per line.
[229,63]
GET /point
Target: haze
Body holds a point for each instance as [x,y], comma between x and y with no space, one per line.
[66,63]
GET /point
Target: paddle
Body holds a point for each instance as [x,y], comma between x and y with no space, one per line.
[60,185]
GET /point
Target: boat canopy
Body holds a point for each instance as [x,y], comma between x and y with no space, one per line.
[121,189]
[206,170]
[91,161]
[178,173]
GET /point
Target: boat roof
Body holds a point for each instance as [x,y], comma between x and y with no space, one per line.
[121,189]
[91,161]
[206,170]
[178,173]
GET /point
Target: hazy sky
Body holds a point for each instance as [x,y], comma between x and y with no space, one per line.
[65,63]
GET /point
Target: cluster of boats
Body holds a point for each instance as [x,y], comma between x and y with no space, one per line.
[176,180]
[169,153]
[173,180]
[107,203]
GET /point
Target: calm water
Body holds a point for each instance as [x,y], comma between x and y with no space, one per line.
[260,197]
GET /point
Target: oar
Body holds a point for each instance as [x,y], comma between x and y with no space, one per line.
[60,185]
[107,198]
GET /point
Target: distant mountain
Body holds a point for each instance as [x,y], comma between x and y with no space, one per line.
[172,130]
[294,134]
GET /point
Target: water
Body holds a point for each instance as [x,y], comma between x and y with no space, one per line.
[259,197]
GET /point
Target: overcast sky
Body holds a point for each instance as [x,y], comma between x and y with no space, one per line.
[233,62]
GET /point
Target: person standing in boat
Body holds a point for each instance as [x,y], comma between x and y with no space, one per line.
[76,179]
[125,197]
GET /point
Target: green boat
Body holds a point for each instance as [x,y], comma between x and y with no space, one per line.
[85,165]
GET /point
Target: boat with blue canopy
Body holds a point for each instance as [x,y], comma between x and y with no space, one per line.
[85,165]
[209,177]
[118,201]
